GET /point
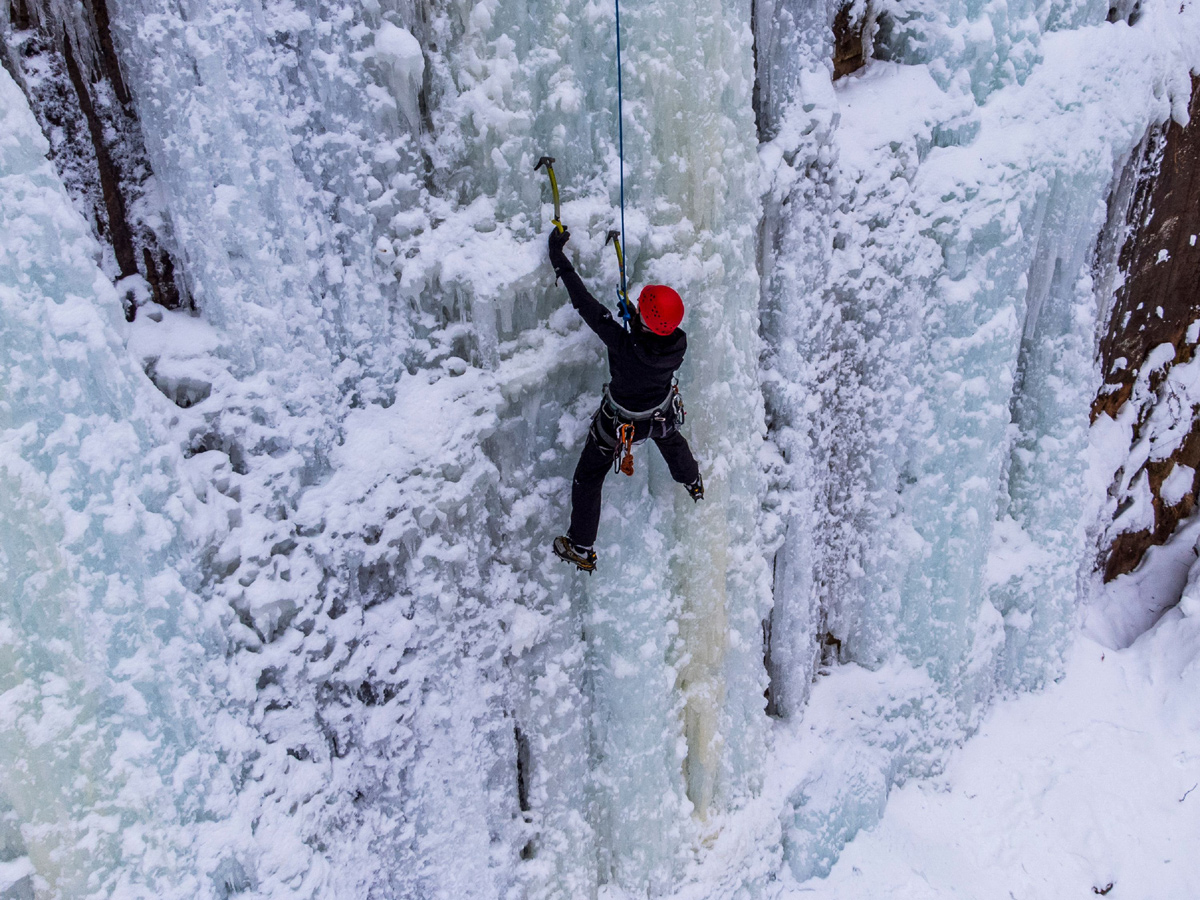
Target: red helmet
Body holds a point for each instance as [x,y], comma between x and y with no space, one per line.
[661,308]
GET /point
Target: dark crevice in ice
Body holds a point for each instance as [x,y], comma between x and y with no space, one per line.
[523,776]
[849,44]
[769,693]
[119,235]
[70,74]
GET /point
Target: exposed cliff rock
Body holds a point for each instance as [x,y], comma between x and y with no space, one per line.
[851,37]
[68,70]
[1150,340]
[849,53]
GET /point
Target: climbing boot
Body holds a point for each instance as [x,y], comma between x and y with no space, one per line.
[583,557]
[696,489]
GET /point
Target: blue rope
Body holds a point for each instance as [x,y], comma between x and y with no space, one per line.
[621,153]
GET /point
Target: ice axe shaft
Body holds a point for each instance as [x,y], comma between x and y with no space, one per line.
[548,162]
[614,237]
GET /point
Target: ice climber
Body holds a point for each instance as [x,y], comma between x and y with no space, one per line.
[639,402]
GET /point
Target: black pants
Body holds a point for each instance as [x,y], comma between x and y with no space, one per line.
[597,459]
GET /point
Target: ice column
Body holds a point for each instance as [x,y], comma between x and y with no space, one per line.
[102,757]
[214,122]
[1057,379]
[673,629]
[690,162]
[797,112]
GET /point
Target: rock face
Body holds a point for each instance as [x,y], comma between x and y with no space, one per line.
[1151,338]
[849,39]
[68,69]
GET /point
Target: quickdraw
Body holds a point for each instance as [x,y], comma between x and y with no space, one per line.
[677,404]
[623,452]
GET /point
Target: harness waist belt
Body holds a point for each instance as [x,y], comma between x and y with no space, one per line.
[636,416]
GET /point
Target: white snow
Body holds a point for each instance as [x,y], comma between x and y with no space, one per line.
[1177,484]
[400,53]
[275,583]
[1091,785]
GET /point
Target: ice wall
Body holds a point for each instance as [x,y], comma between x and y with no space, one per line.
[796,117]
[936,363]
[388,686]
[386,399]
[104,762]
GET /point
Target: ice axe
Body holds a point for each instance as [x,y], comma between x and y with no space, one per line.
[614,237]
[548,162]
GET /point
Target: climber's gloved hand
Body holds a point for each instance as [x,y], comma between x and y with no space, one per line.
[558,259]
[558,239]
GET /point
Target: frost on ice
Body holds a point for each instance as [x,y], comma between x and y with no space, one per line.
[102,758]
[286,558]
[930,313]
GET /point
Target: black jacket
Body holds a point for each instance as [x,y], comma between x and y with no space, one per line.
[642,363]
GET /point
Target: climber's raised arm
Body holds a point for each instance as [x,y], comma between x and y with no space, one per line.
[595,313]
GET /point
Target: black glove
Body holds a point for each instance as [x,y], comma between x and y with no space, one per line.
[558,259]
[558,239]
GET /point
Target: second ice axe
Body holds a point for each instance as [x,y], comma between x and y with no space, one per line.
[614,238]
[548,162]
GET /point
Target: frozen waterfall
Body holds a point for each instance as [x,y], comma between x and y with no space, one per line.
[277,608]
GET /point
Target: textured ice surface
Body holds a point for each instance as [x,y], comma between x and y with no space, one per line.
[937,361]
[104,749]
[368,676]
[385,402]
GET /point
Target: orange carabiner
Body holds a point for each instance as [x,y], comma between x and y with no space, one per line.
[623,460]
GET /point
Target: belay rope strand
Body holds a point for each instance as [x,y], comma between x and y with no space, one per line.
[622,294]
[617,238]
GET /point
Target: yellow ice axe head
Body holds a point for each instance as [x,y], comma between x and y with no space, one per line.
[614,237]
[548,162]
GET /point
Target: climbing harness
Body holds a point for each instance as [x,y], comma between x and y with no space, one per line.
[663,418]
[673,401]
[632,415]
[548,162]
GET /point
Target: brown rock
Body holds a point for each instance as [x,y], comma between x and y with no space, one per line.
[1157,303]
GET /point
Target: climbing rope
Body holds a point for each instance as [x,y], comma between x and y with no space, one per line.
[617,238]
[623,305]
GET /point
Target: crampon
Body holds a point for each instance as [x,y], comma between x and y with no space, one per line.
[583,557]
